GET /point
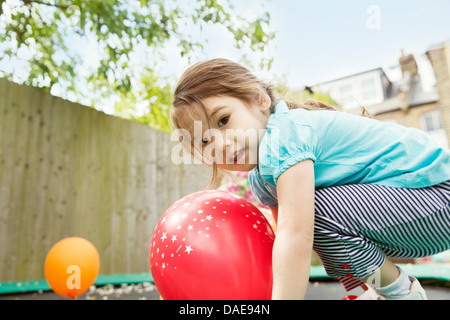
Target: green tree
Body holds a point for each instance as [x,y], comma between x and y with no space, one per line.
[45,33]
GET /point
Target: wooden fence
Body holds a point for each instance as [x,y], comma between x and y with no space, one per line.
[69,170]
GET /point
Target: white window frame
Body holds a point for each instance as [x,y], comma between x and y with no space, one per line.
[437,132]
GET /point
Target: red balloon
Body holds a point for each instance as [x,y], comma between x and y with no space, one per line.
[212,245]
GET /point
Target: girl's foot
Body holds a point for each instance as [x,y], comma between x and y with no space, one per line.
[416,292]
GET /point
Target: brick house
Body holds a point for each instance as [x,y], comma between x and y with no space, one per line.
[405,101]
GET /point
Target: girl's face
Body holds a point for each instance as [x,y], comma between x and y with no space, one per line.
[236,129]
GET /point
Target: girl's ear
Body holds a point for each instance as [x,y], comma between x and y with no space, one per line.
[265,103]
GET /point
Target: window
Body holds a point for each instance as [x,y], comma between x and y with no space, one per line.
[432,121]
[345,90]
[344,94]
[368,89]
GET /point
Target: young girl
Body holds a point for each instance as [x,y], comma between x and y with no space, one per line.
[354,189]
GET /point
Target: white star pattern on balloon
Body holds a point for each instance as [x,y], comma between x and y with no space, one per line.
[188,249]
[190,217]
[186,204]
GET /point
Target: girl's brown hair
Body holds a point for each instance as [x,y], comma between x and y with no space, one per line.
[227,78]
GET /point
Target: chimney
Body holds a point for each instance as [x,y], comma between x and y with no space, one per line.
[408,65]
[439,56]
[409,71]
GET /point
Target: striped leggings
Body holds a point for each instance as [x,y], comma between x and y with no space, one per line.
[357,226]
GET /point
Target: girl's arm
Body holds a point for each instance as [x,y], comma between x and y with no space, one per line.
[295,231]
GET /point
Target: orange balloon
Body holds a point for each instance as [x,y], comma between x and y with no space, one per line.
[71,266]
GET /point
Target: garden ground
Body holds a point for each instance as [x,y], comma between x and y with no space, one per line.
[317,290]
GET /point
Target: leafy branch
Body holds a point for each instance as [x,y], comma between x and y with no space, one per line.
[47,31]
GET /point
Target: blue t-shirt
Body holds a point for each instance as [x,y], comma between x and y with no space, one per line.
[346,149]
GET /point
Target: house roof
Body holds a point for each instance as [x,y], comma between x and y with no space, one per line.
[352,75]
[416,97]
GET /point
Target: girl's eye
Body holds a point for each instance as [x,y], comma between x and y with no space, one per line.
[204,142]
[223,121]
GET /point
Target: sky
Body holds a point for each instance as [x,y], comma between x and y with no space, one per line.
[316,40]
[323,40]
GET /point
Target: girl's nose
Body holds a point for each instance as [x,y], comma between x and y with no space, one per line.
[223,148]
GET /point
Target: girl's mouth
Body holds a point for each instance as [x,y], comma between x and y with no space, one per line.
[238,157]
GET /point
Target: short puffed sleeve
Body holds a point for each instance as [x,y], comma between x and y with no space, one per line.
[289,139]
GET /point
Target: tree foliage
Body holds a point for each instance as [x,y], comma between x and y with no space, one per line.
[47,33]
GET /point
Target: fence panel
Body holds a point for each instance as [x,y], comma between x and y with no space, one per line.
[69,170]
